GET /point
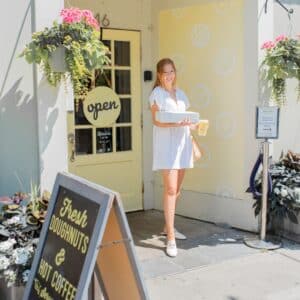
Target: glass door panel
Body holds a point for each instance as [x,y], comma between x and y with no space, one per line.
[125,114]
[122,79]
[124,138]
[122,53]
[83,141]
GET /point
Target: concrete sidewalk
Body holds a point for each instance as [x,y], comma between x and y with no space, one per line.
[213,263]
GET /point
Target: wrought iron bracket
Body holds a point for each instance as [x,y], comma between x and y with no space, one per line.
[289,11]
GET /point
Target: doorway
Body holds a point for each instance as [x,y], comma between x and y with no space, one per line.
[112,156]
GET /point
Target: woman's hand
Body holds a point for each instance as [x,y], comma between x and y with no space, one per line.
[186,122]
[194,126]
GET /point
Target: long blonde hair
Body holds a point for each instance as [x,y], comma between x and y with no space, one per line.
[160,68]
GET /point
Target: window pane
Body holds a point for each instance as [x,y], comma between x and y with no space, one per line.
[104,140]
[103,78]
[123,138]
[83,141]
[107,43]
[122,78]
[122,53]
[80,118]
[125,114]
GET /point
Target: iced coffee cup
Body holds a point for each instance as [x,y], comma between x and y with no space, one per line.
[203,127]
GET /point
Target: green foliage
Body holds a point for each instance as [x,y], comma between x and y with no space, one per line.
[22,217]
[282,61]
[284,199]
[84,52]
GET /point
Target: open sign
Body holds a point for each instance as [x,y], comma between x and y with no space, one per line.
[102,106]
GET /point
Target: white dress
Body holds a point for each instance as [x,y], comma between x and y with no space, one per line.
[172,146]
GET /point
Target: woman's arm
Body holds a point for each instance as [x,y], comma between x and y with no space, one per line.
[154,109]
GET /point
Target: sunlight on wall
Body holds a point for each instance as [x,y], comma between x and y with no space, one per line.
[206,43]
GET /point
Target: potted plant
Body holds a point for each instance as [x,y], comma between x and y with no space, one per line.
[284,196]
[282,61]
[21,219]
[78,36]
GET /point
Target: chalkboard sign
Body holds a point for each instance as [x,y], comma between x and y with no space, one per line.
[104,140]
[69,241]
[85,229]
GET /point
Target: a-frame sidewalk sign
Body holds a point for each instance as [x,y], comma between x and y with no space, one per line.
[85,232]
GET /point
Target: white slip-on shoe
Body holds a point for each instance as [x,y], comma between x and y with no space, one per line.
[171,248]
[178,235]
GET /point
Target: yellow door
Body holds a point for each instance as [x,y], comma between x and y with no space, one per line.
[111,155]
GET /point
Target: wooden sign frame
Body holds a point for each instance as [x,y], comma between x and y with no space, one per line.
[110,244]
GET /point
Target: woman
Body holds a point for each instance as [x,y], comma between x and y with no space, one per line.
[172,145]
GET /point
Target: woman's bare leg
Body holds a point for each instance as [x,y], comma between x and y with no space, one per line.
[180,177]
[170,179]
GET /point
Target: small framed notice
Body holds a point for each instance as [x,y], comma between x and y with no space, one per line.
[267,122]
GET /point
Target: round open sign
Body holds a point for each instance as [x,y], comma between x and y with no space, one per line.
[102,106]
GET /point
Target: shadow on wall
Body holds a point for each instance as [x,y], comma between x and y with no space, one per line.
[18,132]
[48,114]
[20,163]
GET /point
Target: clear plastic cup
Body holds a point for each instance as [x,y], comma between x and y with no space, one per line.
[203,127]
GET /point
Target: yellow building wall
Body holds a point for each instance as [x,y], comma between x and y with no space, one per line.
[206,43]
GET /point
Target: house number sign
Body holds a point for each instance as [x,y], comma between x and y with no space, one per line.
[102,106]
[103,20]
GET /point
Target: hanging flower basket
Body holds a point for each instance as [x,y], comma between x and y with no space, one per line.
[57,60]
[281,62]
[78,37]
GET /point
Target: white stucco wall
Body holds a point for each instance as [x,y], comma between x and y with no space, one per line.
[272,24]
[18,111]
[32,114]
[289,130]
[51,103]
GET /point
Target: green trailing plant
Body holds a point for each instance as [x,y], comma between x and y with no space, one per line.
[79,36]
[284,199]
[281,61]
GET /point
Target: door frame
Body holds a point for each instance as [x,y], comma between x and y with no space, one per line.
[71,128]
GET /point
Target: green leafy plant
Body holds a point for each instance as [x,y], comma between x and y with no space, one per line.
[284,199]
[282,61]
[79,36]
[22,217]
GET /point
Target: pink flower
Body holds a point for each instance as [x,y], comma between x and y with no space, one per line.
[280,38]
[75,15]
[268,45]
[87,13]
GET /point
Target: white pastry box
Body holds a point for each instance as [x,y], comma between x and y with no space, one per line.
[175,117]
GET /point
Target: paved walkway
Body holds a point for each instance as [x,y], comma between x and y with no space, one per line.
[213,263]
